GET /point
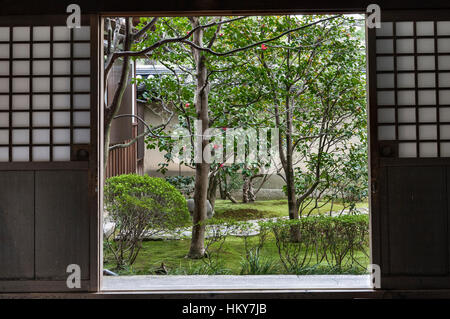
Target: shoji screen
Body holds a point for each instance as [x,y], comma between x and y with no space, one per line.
[44,92]
[409,81]
[413,87]
[48,152]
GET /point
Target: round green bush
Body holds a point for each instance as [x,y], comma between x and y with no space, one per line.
[150,200]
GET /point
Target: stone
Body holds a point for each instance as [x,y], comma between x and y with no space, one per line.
[191,207]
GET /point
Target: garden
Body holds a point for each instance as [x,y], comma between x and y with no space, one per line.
[243,102]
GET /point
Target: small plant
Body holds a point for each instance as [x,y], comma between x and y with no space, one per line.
[255,264]
[140,206]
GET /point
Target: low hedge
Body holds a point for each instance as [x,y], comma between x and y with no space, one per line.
[337,241]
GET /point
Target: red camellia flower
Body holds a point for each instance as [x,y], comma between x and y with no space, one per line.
[221,35]
[187,105]
[221,165]
[263,47]
[224,128]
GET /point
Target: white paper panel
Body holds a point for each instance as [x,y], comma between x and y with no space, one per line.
[444,97]
[82,84]
[61,67]
[404,28]
[21,33]
[406,80]
[61,33]
[41,50]
[20,102]
[445,149]
[20,119]
[406,115]
[407,150]
[81,34]
[425,46]
[443,45]
[81,67]
[4,119]
[406,98]
[426,80]
[41,136]
[385,98]
[41,84]
[425,28]
[4,102]
[41,33]
[4,33]
[428,149]
[4,85]
[61,118]
[444,114]
[386,132]
[21,67]
[4,68]
[61,153]
[20,136]
[385,30]
[405,46]
[427,114]
[444,79]
[4,154]
[385,63]
[386,115]
[41,153]
[81,50]
[405,63]
[21,50]
[41,102]
[428,132]
[61,101]
[4,136]
[41,67]
[81,101]
[20,154]
[21,85]
[41,119]
[61,84]
[443,28]
[81,119]
[444,132]
[61,50]
[406,132]
[61,136]
[444,62]
[81,136]
[427,97]
[4,51]
[425,62]
[385,46]
[385,81]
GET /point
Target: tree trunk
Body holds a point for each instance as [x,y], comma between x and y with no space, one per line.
[212,190]
[289,171]
[197,249]
[245,190]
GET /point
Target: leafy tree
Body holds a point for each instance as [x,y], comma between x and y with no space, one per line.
[316,86]
[210,84]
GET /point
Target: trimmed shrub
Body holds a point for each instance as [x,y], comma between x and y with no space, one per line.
[334,240]
[140,206]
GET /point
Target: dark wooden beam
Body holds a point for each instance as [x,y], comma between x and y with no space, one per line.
[174,7]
